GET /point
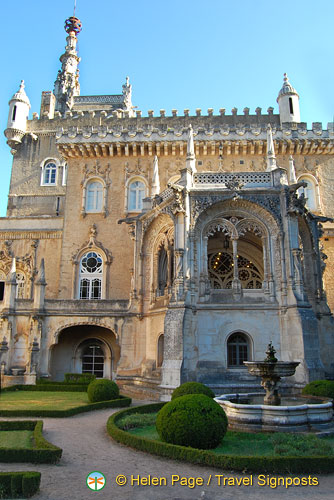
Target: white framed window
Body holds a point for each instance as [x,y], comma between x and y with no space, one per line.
[93,359]
[94,196]
[91,275]
[49,174]
[136,194]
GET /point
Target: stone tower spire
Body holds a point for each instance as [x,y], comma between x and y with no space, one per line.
[67,82]
[271,158]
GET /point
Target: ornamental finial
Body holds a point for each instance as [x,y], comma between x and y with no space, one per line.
[73,24]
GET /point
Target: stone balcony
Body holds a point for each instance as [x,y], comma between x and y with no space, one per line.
[74,307]
[227,180]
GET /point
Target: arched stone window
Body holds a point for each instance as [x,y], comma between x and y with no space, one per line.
[49,173]
[238,349]
[93,357]
[248,258]
[21,285]
[136,192]
[91,275]
[160,353]
[311,191]
[94,196]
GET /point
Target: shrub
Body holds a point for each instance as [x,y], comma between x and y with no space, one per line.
[192,388]
[193,420]
[261,464]
[324,388]
[137,420]
[42,451]
[18,484]
[79,378]
[102,390]
[294,445]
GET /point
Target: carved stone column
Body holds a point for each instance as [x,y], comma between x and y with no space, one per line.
[204,267]
[236,284]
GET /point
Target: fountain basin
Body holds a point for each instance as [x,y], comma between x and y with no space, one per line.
[297,417]
[277,369]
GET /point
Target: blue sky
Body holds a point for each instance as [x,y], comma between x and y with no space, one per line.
[178,54]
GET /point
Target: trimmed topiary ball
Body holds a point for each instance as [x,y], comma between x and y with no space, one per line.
[102,390]
[192,388]
[193,420]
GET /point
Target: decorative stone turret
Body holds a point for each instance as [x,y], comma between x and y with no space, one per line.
[19,106]
[288,102]
[271,158]
[67,83]
[155,178]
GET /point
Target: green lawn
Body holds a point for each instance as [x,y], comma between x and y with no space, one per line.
[42,400]
[260,444]
[16,439]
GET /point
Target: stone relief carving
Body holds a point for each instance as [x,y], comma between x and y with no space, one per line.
[97,169]
[92,243]
[271,203]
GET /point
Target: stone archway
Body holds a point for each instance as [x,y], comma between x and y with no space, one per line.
[66,355]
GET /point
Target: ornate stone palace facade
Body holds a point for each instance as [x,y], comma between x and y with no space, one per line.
[162,249]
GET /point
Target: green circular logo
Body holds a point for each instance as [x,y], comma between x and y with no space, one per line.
[95,481]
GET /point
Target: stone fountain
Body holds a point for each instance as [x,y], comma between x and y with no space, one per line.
[271,371]
[254,412]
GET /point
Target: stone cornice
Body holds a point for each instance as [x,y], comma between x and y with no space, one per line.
[30,235]
[109,146]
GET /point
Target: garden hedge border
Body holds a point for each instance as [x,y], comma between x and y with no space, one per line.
[47,387]
[120,402]
[277,465]
[43,451]
[18,484]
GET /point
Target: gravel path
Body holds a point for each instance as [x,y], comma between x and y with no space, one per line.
[87,447]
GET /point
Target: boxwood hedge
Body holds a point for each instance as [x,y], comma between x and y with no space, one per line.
[19,484]
[50,386]
[277,465]
[42,451]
